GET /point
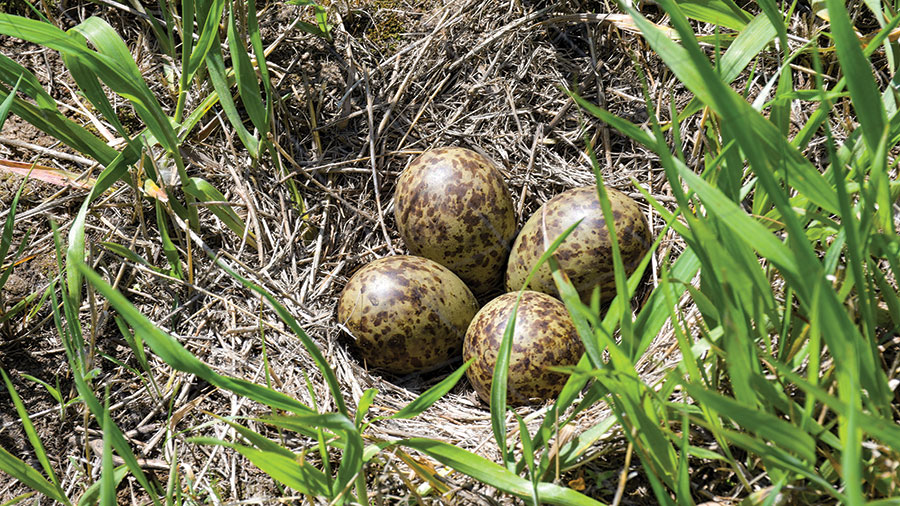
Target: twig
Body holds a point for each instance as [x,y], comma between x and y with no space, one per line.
[373,161]
[47,151]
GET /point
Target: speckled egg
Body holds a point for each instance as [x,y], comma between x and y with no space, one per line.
[452,205]
[586,255]
[406,314]
[544,337]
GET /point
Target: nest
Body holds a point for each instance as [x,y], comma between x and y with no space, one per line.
[401,76]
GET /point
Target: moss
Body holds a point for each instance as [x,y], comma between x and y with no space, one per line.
[381,21]
[130,120]
[17,7]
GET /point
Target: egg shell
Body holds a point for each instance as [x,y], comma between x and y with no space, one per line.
[451,205]
[407,314]
[544,337]
[586,254]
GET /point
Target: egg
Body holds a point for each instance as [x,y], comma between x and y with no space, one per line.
[451,205]
[544,337]
[406,314]
[586,254]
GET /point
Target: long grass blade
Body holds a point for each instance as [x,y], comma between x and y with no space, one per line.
[174,354]
[36,444]
[494,475]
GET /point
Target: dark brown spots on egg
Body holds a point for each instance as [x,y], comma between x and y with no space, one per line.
[544,337]
[406,314]
[586,254]
[452,204]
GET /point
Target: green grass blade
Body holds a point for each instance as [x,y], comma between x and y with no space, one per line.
[879,427]
[528,457]
[170,251]
[18,76]
[717,12]
[730,214]
[35,441]
[7,104]
[363,406]
[501,367]
[209,38]
[424,401]
[499,384]
[248,83]
[54,392]
[28,476]
[127,254]
[260,53]
[748,44]
[693,69]
[174,354]
[621,279]
[351,460]
[43,114]
[311,348]
[494,475]
[91,496]
[6,236]
[215,64]
[858,73]
[73,343]
[770,10]
[300,476]
[115,65]
[260,441]
[205,192]
[90,86]
[767,426]
[107,471]
[75,249]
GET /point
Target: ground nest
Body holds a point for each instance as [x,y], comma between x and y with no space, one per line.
[489,76]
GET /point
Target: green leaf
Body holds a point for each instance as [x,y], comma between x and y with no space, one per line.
[494,475]
[205,192]
[7,104]
[248,83]
[352,458]
[260,441]
[209,37]
[751,129]
[311,348]
[300,475]
[114,64]
[57,492]
[215,64]
[107,471]
[91,496]
[858,73]
[717,12]
[43,114]
[424,401]
[28,476]
[126,253]
[173,353]
[766,426]
[6,237]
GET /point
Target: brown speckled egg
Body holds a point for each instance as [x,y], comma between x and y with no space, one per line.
[544,337]
[407,314]
[586,255]
[452,206]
